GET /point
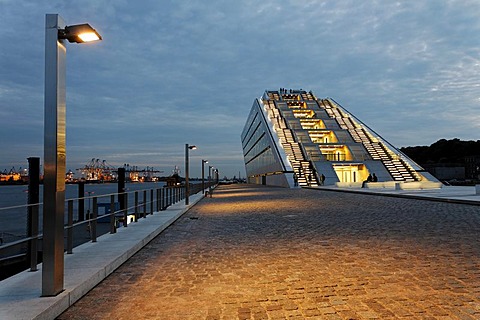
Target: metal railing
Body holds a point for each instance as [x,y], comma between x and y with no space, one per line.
[119,210]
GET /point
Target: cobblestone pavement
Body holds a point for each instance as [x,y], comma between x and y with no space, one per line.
[254,252]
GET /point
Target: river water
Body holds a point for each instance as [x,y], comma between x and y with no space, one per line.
[13,221]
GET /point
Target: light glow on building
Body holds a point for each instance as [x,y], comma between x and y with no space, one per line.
[292,135]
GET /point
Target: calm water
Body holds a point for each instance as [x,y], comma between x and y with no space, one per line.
[13,221]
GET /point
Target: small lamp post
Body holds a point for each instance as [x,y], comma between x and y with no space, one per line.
[203,175]
[187,184]
[56,32]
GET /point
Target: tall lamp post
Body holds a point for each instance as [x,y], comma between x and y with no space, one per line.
[203,175]
[210,173]
[56,32]
[210,179]
[187,184]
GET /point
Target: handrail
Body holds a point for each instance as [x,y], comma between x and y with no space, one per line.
[142,206]
[21,206]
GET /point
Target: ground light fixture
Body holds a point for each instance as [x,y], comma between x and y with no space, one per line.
[187,184]
[56,32]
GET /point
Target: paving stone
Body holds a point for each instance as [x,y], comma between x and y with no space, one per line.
[255,252]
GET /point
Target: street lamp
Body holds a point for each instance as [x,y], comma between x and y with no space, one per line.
[56,32]
[210,172]
[187,184]
[79,33]
[209,180]
[203,175]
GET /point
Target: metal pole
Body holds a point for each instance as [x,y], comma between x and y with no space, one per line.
[210,180]
[151,201]
[33,200]
[70,227]
[54,158]
[121,187]
[187,186]
[113,227]
[203,176]
[135,212]
[93,220]
[81,201]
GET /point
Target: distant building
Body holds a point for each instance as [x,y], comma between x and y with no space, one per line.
[472,167]
[447,171]
[292,137]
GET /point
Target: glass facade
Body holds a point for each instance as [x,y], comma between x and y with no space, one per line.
[259,148]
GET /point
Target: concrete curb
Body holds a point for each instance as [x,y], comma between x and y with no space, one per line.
[444,198]
[90,263]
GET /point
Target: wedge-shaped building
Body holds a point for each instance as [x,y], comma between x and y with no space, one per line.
[291,138]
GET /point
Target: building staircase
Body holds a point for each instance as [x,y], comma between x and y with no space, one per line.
[293,149]
[273,95]
[397,167]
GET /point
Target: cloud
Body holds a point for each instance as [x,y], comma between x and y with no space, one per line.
[171,72]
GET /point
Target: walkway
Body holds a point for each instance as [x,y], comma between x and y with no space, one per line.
[254,252]
[90,263]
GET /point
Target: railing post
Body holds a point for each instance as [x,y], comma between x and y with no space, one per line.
[93,220]
[32,218]
[113,228]
[167,196]
[144,213]
[151,201]
[136,206]
[81,201]
[70,227]
[125,210]
[162,199]
[121,187]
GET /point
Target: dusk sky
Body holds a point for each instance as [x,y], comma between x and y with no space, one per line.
[174,72]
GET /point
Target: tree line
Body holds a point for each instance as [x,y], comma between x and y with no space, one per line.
[443,151]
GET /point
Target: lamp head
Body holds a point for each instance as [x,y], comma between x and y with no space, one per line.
[79,33]
[192,147]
